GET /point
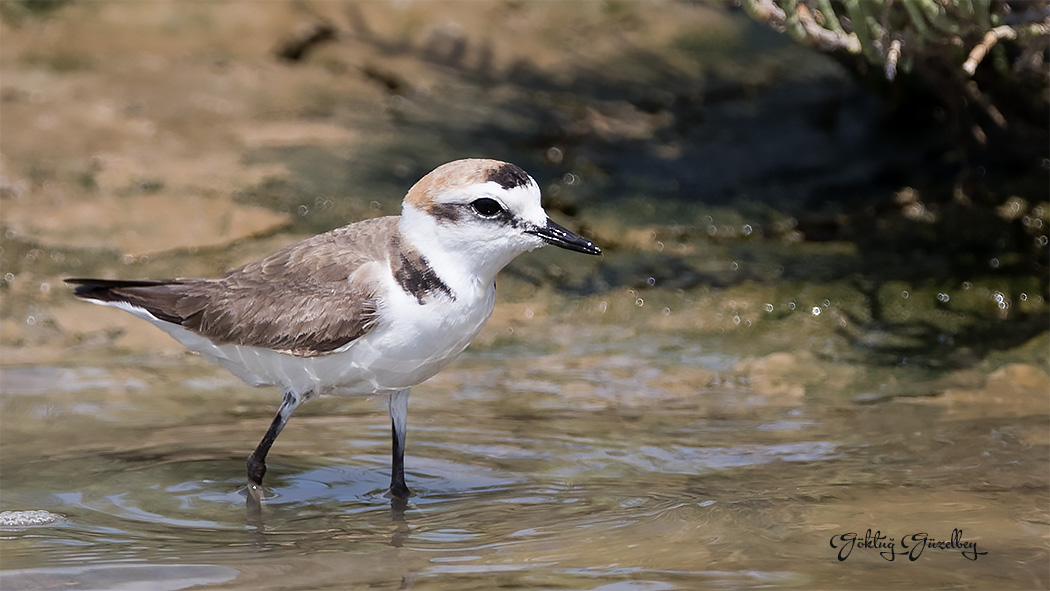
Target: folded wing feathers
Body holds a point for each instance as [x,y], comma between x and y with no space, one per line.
[285,302]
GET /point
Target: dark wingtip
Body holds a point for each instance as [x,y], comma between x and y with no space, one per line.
[102,289]
[94,289]
[158,302]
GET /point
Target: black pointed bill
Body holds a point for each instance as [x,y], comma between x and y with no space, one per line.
[558,236]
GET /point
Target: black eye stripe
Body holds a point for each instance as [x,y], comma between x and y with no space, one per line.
[486,207]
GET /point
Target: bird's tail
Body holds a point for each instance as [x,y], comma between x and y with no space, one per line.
[157,297]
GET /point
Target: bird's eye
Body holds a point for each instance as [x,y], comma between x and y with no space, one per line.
[486,207]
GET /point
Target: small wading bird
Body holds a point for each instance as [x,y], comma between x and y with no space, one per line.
[374,307]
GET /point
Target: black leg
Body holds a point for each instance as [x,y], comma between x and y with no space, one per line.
[257,460]
[398,488]
[398,424]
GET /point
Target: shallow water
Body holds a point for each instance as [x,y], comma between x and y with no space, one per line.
[142,465]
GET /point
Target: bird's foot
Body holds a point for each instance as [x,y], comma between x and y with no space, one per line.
[399,491]
[256,471]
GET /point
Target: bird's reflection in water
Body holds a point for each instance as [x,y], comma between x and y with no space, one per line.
[253,506]
[397,516]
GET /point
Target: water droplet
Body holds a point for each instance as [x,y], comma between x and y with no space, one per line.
[376,205]
[733,266]
[943,297]
[529,313]
[791,305]
[747,229]
[905,294]
[826,303]
[967,285]
[9,277]
[816,310]
[1004,305]
[994,263]
[659,246]
[1024,297]
[667,311]
[769,307]
[554,155]
[736,320]
[45,288]
[639,302]
[31,320]
[651,281]
[747,323]
[570,179]
[603,306]
[303,210]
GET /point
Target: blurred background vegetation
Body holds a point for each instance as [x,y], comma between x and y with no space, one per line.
[977,66]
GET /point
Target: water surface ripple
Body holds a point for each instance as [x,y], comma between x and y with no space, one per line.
[729,488]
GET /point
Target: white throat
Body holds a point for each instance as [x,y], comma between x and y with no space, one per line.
[467,268]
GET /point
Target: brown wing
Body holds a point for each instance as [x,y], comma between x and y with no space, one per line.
[301,299]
